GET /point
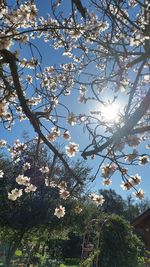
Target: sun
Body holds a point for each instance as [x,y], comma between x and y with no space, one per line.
[110,113]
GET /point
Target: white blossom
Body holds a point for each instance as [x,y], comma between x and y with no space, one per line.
[72,149]
[78,210]
[126,185]
[14,194]
[83,90]
[72,120]
[1,174]
[143,160]
[97,199]
[26,166]
[135,180]
[3,143]
[107,181]
[23,180]
[64,194]
[59,212]
[108,170]
[44,170]
[3,108]
[66,135]
[62,185]
[30,188]
[139,194]
[54,101]
[29,78]
[55,133]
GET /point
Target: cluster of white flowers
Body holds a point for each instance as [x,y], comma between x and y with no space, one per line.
[14,194]
[62,186]
[94,27]
[30,64]
[14,19]
[63,192]
[72,149]
[17,149]
[52,81]
[50,183]
[137,40]
[97,199]
[30,188]
[49,82]
[23,180]
[34,101]
[3,108]
[132,3]
[62,79]
[23,17]
[131,182]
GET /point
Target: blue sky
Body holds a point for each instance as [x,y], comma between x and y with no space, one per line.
[50,57]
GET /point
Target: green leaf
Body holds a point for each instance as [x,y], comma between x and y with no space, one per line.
[18,253]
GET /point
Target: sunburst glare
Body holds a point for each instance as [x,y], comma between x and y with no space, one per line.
[110,113]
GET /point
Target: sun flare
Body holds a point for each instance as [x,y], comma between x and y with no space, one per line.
[110,113]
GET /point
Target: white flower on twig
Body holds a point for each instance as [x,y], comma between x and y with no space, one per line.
[72,149]
[59,212]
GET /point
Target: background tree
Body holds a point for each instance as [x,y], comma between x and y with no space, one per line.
[119,246]
[23,220]
[35,209]
[114,203]
[128,208]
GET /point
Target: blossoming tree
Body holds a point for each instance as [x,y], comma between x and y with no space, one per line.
[107,49]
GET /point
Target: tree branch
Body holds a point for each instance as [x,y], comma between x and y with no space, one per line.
[9,58]
[125,130]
